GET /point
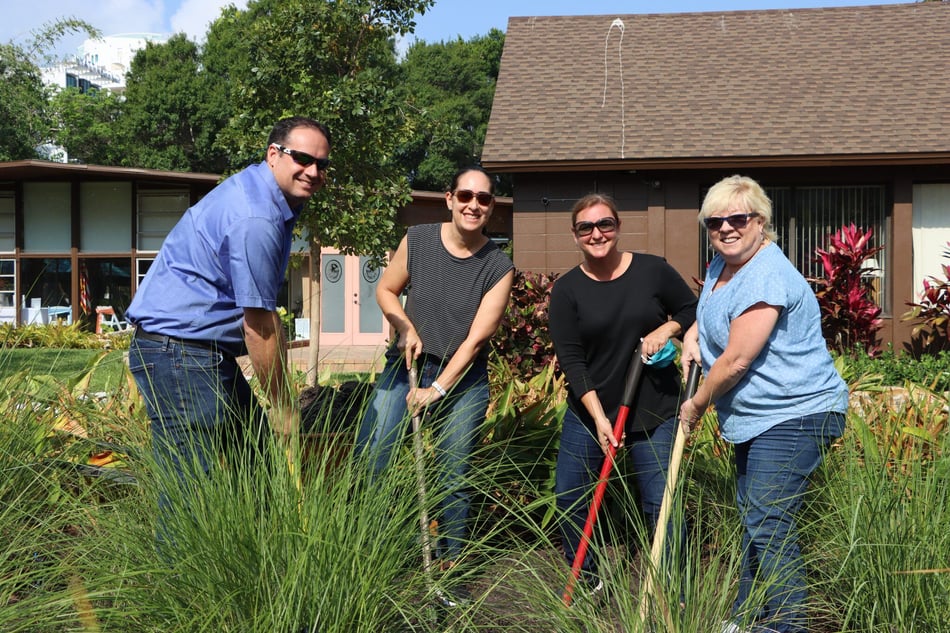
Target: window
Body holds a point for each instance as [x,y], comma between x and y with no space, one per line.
[105,217]
[7,283]
[804,217]
[46,217]
[142,265]
[158,212]
[7,222]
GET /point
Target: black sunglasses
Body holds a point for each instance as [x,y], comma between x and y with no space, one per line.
[604,225]
[465,196]
[736,221]
[303,159]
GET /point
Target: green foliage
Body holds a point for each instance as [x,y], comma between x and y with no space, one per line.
[26,121]
[173,109]
[51,336]
[333,61]
[522,338]
[849,317]
[890,368]
[23,105]
[448,88]
[88,126]
[879,526]
[931,314]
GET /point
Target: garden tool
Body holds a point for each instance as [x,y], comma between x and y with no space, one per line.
[659,536]
[634,372]
[419,456]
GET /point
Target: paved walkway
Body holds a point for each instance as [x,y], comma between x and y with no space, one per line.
[341,358]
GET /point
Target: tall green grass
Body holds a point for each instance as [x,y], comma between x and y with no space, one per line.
[256,549]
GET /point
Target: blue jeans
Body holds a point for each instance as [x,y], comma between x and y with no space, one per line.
[579,461]
[456,420]
[199,403]
[773,470]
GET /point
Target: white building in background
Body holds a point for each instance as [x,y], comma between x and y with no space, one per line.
[101,63]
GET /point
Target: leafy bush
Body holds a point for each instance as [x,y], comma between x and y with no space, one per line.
[932,314]
[57,336]
[522,338]
[929,370]
[849,317]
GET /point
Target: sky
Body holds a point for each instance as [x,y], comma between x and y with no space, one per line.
[446,20]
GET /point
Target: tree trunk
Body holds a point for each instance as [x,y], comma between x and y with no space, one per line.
[313,359]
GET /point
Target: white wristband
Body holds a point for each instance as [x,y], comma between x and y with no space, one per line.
[438,388]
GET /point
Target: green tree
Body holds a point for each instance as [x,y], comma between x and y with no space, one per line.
[172,112]
[25,116]
[334,61]
[88,126]
[449,86]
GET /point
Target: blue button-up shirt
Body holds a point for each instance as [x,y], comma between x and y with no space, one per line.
[227,253]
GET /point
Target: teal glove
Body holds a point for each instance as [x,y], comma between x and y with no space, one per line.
[664,356]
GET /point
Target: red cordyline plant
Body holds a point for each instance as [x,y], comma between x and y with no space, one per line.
[523,338]
[849,317]
[931,333]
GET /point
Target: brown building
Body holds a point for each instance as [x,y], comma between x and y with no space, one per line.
[843,114]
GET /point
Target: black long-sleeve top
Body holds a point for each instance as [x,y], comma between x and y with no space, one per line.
[597,325]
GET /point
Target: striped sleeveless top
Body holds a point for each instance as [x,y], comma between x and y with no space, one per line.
[444,291]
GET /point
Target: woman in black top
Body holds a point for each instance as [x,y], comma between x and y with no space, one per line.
[600,311]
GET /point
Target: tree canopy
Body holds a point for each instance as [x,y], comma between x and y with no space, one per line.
[449,86]
[26,120]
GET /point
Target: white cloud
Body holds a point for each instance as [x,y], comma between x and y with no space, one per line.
[193,17]
[21,18]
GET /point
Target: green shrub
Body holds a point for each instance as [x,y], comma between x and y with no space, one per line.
[894,369]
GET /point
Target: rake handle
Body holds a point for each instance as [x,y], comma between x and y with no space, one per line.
[659,536]
[419,454]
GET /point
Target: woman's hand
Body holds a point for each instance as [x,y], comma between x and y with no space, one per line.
[418,399]
[690,414]
[410,345]
[690,353]
[652,343]
[605,434]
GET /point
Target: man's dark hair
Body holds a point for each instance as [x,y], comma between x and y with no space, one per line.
[284,127]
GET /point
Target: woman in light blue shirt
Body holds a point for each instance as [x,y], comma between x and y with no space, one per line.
[779,399]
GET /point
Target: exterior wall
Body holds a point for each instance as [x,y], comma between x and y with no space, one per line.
[658,213]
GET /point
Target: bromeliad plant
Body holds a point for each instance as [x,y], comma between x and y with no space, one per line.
[849,317]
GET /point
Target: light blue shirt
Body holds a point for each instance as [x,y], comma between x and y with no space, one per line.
[227,253]
[794,374]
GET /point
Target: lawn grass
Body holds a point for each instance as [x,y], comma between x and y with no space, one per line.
[65,365]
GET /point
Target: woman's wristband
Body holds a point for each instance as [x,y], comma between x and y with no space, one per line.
[435,385]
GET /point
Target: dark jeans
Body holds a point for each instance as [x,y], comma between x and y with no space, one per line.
[578,466]
[456,418]
[773,471]
[199,403]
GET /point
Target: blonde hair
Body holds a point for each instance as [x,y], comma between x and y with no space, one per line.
[739,191]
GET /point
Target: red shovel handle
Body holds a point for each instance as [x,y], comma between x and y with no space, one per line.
[634,372]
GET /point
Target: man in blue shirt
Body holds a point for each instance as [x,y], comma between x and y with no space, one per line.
[211,295]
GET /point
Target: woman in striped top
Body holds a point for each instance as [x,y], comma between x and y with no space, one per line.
[457,283]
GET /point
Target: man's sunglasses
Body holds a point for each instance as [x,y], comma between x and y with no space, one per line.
[303,159]
[736,221]
[604,225]
[465,196]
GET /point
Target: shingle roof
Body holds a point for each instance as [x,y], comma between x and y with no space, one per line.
[835,81]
